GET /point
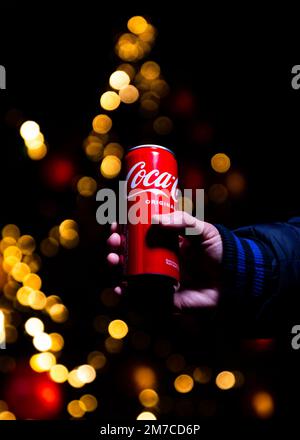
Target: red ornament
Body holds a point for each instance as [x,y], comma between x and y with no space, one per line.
[32,395]
[59,172]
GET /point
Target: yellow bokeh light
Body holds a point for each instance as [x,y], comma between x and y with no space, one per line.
[163,125]
[69,239]
[96,359]
[19,271]
[220,162]
[263,404]
[128,68]
[137,24]
[118,329]
[144,377]
[110,167]
[113,149]
[102,124]
[11,230]
[57,342]
[35,143]
[110,100]
[37,300]
[129,94]
[51,300]
[32,280]
[202,375]
[184,383]
[76,409]
[13,251]
[94,151]
[74,380]
[86,186]
[7,415]
[225,380]
[6,242]
[34,262]
[29,130]
[9,263]
[42,362]
[67,225]
[148,398]
[59,373]
[146,415]
[89,402]
[59,313]
[148,36]
[119,79]
[86,373]
[34,326]
[150,70]
[37,153]
[42,342]
[49,247]
[23,295]
[27,244]
[113,345]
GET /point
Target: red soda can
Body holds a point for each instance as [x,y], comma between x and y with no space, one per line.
[151,185]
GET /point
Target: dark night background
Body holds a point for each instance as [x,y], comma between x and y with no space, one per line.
[235,66]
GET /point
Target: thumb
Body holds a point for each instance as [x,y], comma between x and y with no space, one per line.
[179,221]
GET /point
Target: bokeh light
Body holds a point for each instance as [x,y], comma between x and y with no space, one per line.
[42,362]
[59,373]
[225,380]
[110,101]
[86,373]
[218,193]
[137,24]
[33,281]
[113,149]
[29,130]
[58,313]
[263,404]
[76,409]
[34,326]
[146,415]
[144,377]
[110,167]
[74,380]
[86,186]
[184,383]
[42,342]
[57,342]
[11,230]
[27,244]
[202,375]
[7,415]
[49,247]
[89,402]
[150,70]
[129,94]
[220,162]
[148,398]
[37,153]
[118,329]
[19,271]
[37,300]
[163,125]
[102,124]
[119,79]
[97,360]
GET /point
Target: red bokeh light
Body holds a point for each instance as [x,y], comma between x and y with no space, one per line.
[58,172]
[32,395]
[183,102]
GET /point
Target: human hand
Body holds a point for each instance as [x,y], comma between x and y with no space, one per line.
[200,259]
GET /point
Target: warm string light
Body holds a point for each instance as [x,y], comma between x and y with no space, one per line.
[34,140]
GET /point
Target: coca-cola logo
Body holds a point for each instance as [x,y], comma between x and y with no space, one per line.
[153,181]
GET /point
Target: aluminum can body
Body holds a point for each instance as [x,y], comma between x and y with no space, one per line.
[151,186]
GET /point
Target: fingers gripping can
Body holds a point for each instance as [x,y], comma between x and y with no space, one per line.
[151,185]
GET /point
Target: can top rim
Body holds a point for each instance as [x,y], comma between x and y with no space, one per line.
[152,146]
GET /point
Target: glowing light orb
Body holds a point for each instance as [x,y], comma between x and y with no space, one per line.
[225,380]
[118,329]
[29,130]
[110,101]
[119,79]
[184,383]
[110,167]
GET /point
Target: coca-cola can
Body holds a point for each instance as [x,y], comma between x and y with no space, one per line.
[151,186]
